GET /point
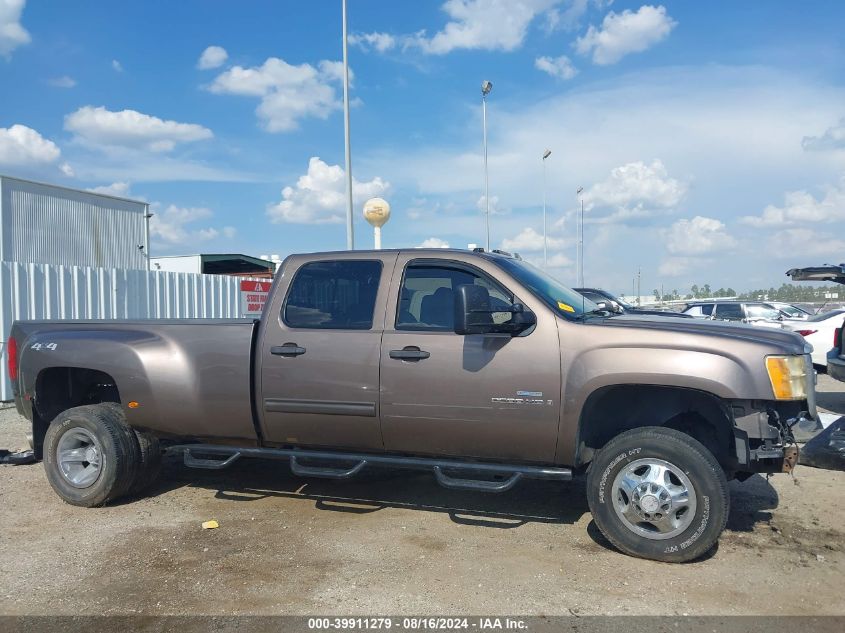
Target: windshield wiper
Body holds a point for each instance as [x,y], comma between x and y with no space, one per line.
[598,312]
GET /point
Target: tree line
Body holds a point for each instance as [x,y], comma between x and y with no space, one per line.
[797,293]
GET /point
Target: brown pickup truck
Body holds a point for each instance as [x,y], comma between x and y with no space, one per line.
[476,366]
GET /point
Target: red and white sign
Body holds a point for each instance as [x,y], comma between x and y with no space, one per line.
[253,297]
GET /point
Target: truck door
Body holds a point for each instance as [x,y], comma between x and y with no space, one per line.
[471,396]
[319,352]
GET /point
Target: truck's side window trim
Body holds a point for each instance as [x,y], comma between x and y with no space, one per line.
[307,314]
[446,265]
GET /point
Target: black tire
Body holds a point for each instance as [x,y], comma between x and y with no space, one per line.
[695,462]
[119,449]
[150,466]
[149,454]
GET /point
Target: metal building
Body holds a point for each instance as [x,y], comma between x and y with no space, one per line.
[215,264]
[49,224]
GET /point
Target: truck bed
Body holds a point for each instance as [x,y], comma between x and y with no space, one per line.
[189,377]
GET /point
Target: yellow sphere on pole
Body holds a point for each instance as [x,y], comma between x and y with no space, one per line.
[377,213]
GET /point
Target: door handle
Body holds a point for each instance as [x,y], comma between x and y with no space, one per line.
[409,353]
[288,349]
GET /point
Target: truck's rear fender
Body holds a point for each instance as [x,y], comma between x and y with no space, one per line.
[608,391]
[184,386]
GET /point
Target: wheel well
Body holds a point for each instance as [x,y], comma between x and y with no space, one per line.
[60,388]
[613,410]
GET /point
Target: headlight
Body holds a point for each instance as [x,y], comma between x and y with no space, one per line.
[788,375]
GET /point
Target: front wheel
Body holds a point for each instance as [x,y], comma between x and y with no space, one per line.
[658,493]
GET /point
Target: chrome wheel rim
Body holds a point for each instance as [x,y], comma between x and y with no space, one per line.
[80,457]
[654,498]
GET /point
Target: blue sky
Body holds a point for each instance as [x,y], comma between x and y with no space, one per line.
[709,137]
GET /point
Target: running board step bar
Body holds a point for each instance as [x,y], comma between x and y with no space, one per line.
[453,474]
[301,470]
[210,464]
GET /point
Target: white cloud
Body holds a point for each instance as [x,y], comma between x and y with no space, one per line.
[677,266]
[832,139]
[569,16]
[380,42]
[433,242]
[495,209]
[288,93]
[61,82]
[689,241]
[529,240]
[212,57]
[624,33]
[726,117]
[21,146]
[789,243]
[12,33]
[67,170]
[559,260]
[560,67]
[119,189]
[635,190]
[697,236]
[116,66]
[173,225]
[482,24]
[131,129]
[800,207]
[319,196]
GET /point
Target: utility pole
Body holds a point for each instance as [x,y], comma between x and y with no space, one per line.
[546,154]
[350,229]
[579,242]
[582,241]
[639,279]
[486,87]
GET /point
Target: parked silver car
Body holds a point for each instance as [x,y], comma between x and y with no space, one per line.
[753,312]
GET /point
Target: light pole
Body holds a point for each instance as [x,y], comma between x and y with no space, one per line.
[486,87]
[350,231]
[580,236]
[546,154]
[582,239]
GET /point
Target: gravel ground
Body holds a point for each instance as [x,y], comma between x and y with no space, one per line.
[394,542]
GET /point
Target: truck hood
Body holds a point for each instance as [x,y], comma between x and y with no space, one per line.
[783,341]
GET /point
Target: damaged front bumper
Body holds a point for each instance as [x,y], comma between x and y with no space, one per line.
[765,438]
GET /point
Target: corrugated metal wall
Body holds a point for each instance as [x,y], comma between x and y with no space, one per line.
[41,291]
[53,225]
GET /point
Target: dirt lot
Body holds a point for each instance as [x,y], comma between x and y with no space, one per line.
[394,542]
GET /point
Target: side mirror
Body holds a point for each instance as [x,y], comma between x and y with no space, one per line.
[474,314]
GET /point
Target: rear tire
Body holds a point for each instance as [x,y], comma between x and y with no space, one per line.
[149,454]
[150,466]
[658,493]
[90,456]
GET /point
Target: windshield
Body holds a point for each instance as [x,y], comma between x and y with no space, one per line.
[624,304]
[564,301]
[792,310]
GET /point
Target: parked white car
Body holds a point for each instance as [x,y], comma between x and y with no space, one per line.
[818,330]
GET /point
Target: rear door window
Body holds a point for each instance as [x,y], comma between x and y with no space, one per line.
[729,311]
[334,295]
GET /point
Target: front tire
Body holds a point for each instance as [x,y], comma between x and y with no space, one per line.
[658,493]
[91,457]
